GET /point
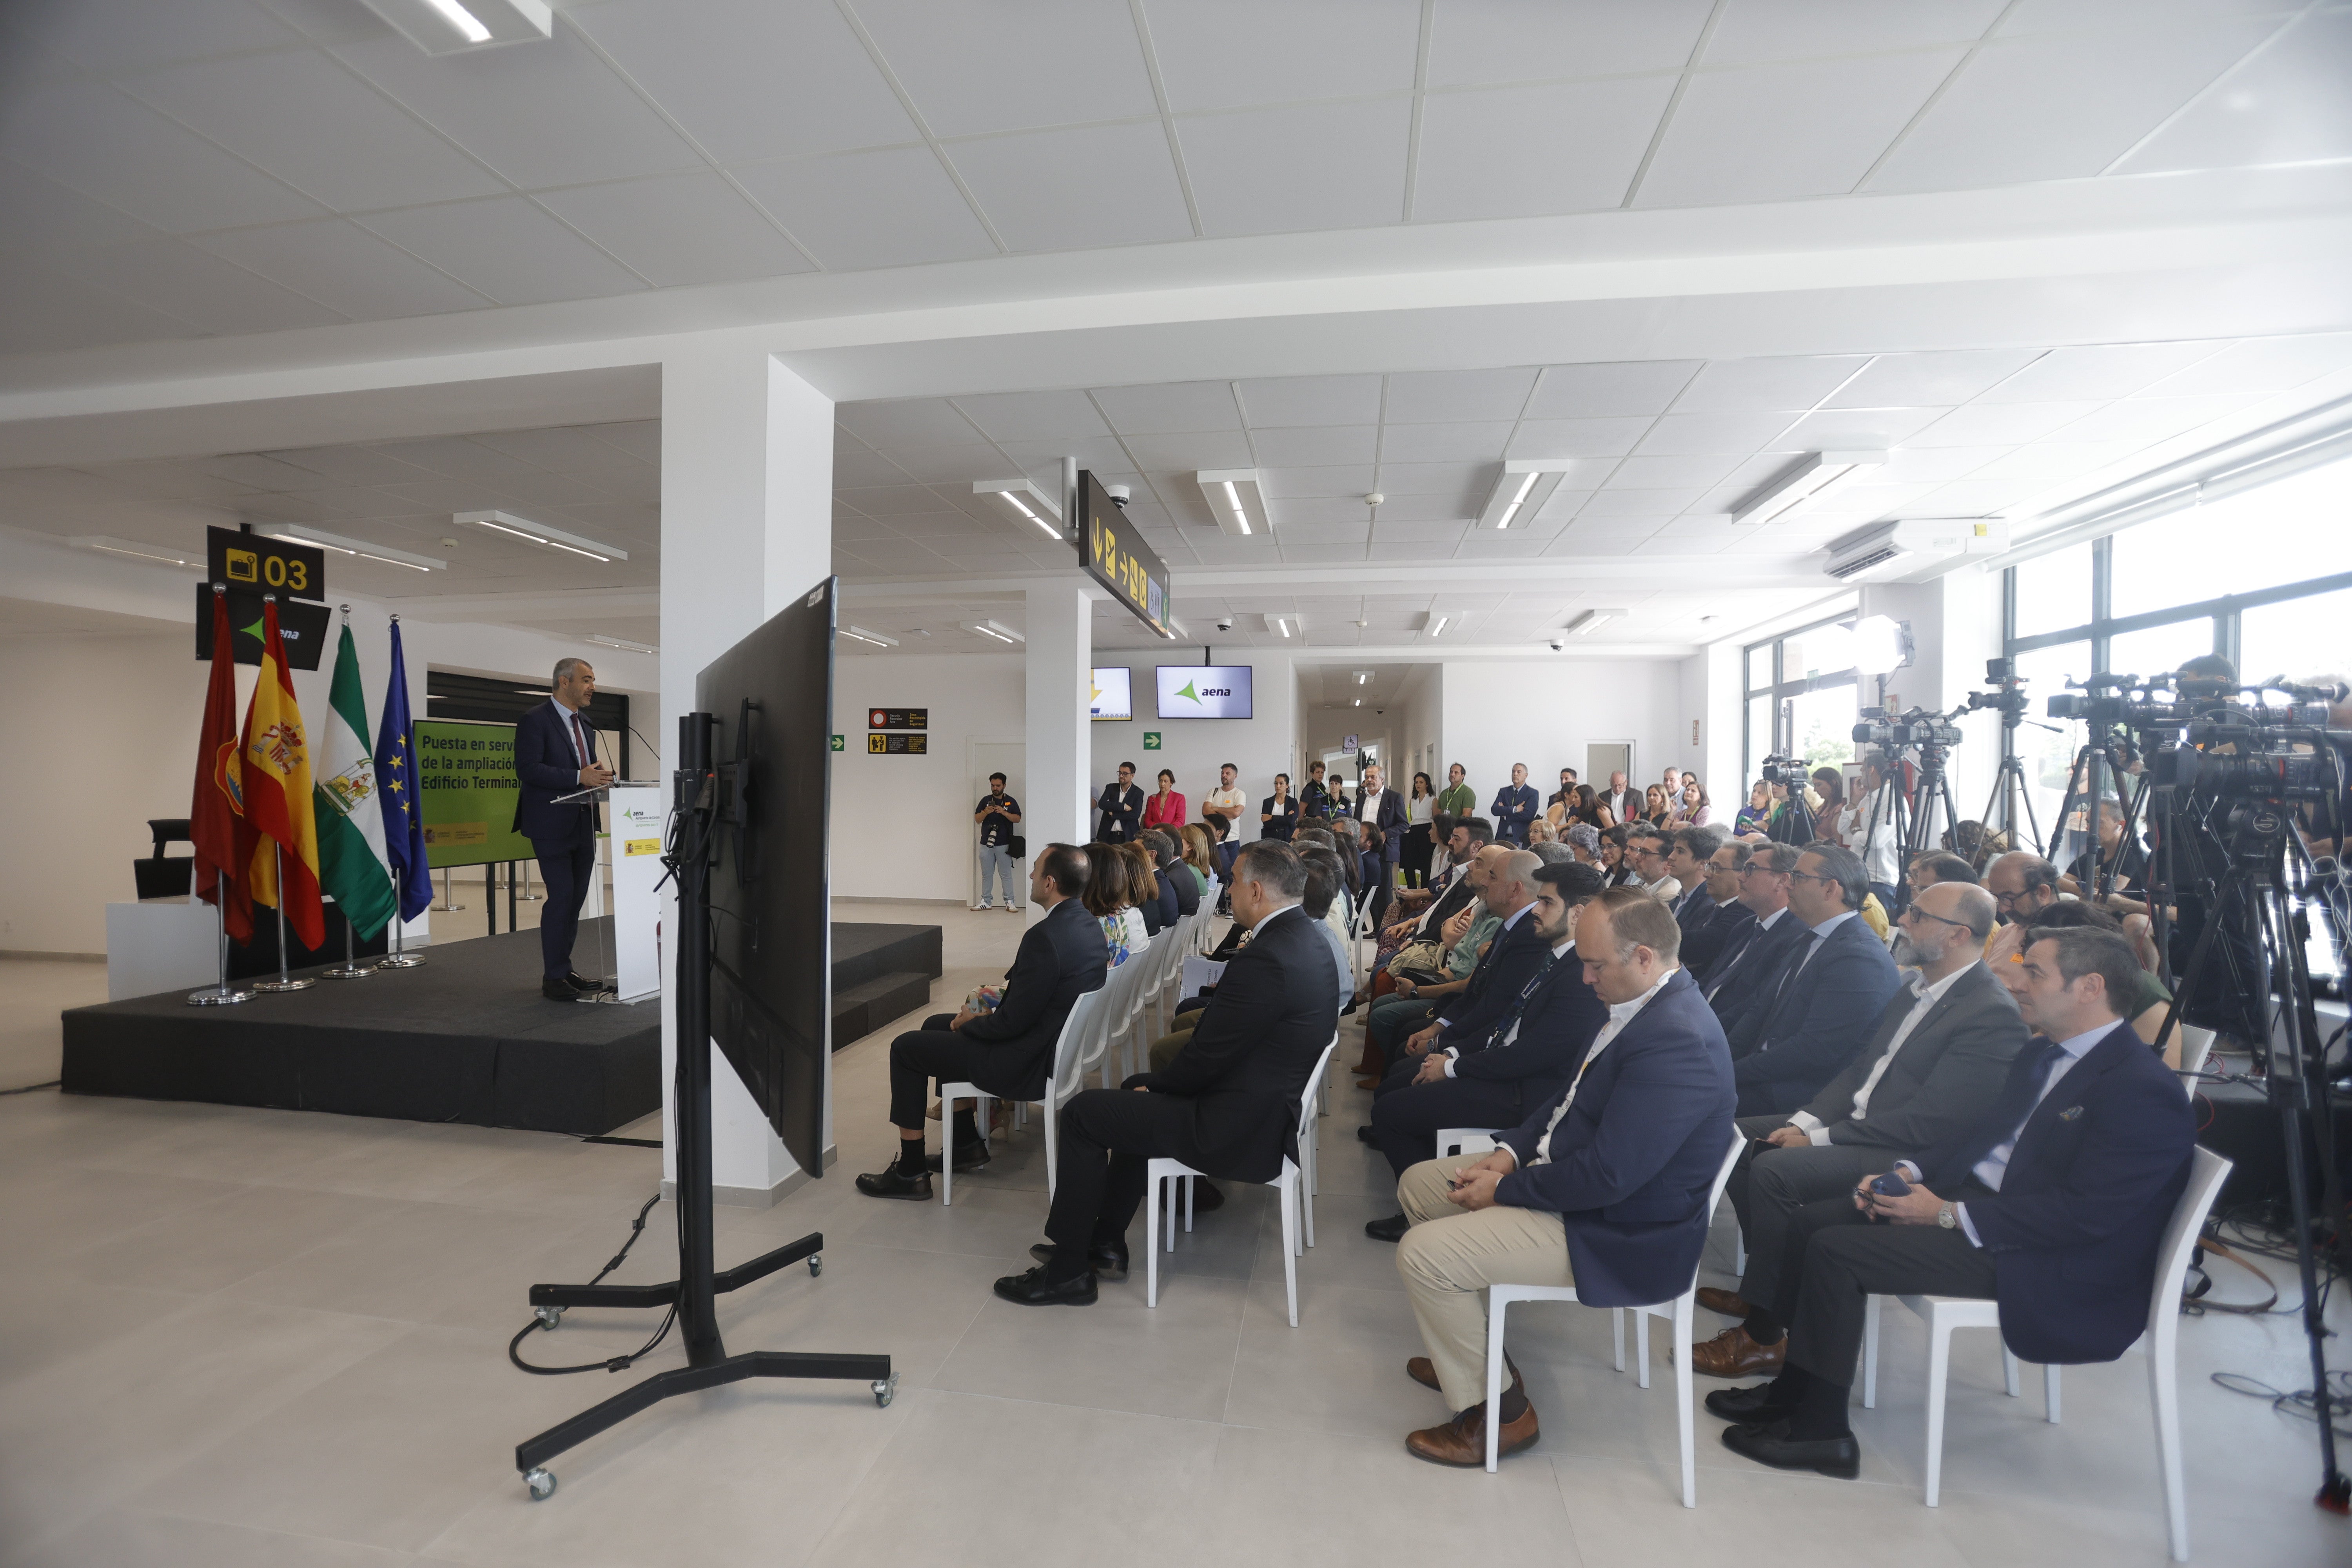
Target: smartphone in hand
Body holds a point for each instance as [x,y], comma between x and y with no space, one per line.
[1891,1186]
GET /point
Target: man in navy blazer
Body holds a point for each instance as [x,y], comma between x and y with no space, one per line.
[555,753]
[1513,956]
[1824,1005]
[1515,804]
[1527,1057]
[2053,1203]
[1604,1186]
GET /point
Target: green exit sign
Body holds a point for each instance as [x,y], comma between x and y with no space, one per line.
[1151,740]
[840,744]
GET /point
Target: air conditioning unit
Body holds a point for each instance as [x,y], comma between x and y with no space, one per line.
[1913,549]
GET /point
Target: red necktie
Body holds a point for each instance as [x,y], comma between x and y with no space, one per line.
[579,733]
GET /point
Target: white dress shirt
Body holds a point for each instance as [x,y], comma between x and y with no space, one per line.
[1994,1166]
[1621,1014]
[1812,1126]
[1880,856]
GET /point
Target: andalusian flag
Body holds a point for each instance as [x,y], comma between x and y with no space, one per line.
[274,768]
[350,817]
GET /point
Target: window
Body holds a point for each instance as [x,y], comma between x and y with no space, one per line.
[1802,693]
[2054,591]
[2298,637]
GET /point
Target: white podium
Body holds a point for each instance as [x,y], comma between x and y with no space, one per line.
[635,823]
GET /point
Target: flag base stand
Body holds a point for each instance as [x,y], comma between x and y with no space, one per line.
[224,994]
[350,968]
[397,958]
[284,982]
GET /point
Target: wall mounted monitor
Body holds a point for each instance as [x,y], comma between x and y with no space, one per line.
[1114,695]
[1204,691]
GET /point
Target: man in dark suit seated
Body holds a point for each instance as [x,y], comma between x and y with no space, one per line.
[1934,1065]
[1604,1188]
[2053,1203]
[1169,857]
[1827,994]
[555,754]
[1688,851]
[1228,1104]
[1513,956]
[1721,918]
[1734,981]
[1008,1051]
[1527,1057]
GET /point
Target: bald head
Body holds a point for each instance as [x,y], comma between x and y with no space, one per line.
[1946,924]
[1511,882]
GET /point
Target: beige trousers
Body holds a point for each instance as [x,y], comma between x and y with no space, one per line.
[1449,1258]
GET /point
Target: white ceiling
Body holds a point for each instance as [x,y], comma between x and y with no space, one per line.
[209,167]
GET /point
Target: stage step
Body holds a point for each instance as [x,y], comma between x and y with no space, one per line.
[858,1010]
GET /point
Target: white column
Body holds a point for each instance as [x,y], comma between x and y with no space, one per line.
[747,524]
[1060,682]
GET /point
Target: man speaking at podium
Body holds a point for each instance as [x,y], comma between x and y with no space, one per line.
[554,755]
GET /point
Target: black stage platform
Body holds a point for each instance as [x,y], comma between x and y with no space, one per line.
[463,1038]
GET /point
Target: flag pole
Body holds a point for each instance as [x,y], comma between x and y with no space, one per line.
[351,968]
[224,994]
[399,957]
[283,981]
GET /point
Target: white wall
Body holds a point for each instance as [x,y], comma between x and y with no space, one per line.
[1543,712]
[902,825]
[1259,747]
[1422,694]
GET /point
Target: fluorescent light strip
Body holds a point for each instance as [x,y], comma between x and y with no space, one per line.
[589,554]
[465,21]
[1440,626]
[502,527]
[986,632]
[313,543]
[1509,511]
[1233,501]
[603,641]
[1051,531]
[385,560]
[139,554]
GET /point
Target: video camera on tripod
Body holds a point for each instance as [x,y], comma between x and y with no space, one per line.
[1788,771]
[1899,731]
[2264,762]
[2008,694]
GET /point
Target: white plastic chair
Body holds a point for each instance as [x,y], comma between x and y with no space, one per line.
[1465,1141]
[1945,1313]
[1060,1084]
[1287,1184]
[1499,1298]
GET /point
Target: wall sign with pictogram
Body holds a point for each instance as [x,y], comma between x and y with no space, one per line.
[897,717]
[880,745]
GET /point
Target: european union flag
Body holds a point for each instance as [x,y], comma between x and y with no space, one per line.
[395,776]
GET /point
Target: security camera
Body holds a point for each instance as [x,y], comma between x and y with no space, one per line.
[1380,710]
[1557,645]
[1225,623]
[1118,494]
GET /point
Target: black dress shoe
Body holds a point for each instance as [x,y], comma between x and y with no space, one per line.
[1768,1443]
[1364,1133]
[558,991]
[1034,1290]
[579,982]
[1108,1262]
[1390,1229]
[1207,1196]
[970,1156]
[1750,1406]
[890,1181]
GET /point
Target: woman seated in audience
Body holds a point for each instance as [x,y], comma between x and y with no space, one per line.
[1111,898]
[1754,817]
[1540,831]
[1583,841]
[1559,806]
[1613,858]
[1694,809]
[1656,809]
[1829,787]
[1199,852]
[1157,903]
[1348,834]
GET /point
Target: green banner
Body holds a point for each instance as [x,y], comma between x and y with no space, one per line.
[467,785]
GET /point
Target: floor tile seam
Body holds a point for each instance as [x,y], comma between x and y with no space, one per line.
[1209,1422]
[150,1511]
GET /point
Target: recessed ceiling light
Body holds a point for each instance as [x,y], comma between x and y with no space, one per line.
[1026,500]
[161,554]
[862,634]
[454,27]
[996,631]
[538,533]
[384,555]
[1591,621]
[1235,500]
[1817,475]
[622,643]
[1521,491]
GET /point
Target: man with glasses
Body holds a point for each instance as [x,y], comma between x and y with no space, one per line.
[1818,1010]
[1721,918]
[1647,849]
[1934,1064]
[1733,983]
[2021,883]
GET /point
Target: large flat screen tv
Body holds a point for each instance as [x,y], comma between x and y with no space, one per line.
[770,938]
[1204,691]
[1113,694]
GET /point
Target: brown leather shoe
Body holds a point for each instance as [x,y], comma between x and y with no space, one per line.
[1424,1371]
[1727,1303]
[1463,1440]
[1732,1354]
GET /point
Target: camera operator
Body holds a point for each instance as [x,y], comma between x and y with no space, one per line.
[1869,829]
[2120,859]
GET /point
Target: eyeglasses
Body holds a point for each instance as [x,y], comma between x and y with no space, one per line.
[1923,914]
[1812,876]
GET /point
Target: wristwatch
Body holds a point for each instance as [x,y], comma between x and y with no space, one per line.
[1947,1219]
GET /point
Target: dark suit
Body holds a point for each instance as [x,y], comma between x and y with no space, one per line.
[1227,1105]
[1817,1018]
[547,761]
[1944,1079]
[1709,931]
[1511,960]
[1008,1052]
[1179,876]
[1168,906]
[1741,980]
[2069,1240]
[1494,1085]
[1515,806]
[1122,812]
[1633,1159]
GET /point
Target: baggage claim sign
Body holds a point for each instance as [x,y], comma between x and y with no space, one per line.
[1116,556]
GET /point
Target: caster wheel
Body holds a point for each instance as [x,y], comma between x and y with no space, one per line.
[885,1390]
[548,1316]
[816,1263]
[541,1485]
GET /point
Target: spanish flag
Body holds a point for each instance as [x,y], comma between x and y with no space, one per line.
[274,778]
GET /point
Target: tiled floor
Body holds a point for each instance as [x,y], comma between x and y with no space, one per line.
[253,1338]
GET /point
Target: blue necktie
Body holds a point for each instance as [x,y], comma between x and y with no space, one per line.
[2019,1095]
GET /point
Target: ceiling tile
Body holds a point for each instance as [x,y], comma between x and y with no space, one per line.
[1430,397]
[301,117]
[1757,31]
[2141,421]
[345,269]
[508,248]
[355,466]
[1317,526]
[85,135]
[1509,40]
[1576,437]
[890,208]
[1223,54]
[1077,189]
[1423,511]
[565,449]
[973,69]
[907,422]
[1433,478]
[2062,106]
[1177,406]
[1999,424]
[1432,537]
[1609,390]
[1482,441]
[1923,380]
[2286,105]
[1975,497]
[1294,447]
[932,465]
[1668,473]
[1032,415]
[753,78]
[204,290]
[1527,151]
[1935,464]
[2048,461]
[1660,503]
[1856,429]
[1180,456]
[1790,382]
[547,113]
[1331,554]
[1314,166]
[2260,364]
[126,34]
[2100,371]
[1711,434]
[1312,400]
[678,228]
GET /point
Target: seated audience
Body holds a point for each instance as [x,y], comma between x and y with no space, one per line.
[1167,858]
[1756,814]
[1604,1188]
[1542,832]
[1155,901]
[2053,1203]
[1657,807]
[1827,997]
[1934,1063]
[1721,919]
[1688,851]
[1111,898]
[1533,1049]
[1427,978]
[1733,982]
[1508,892]
[1467,836]
[2150,1003]
[1646,848]
[1200,856]
[1226,1106]
[1616,860]
[2021,882]
[1692,807]
[1942,865]
[1583,840]
[1007,1051]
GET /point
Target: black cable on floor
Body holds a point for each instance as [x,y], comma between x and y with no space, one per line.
[618,1362]
[32,1088]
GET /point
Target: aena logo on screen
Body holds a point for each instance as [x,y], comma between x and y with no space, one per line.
[1204,692]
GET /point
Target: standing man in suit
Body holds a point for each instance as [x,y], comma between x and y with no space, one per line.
[1625,805]
[2054,1204]
[1377,804]
[1722,920]
[1525,1059]
[1829,994]
[1604,1186]
[555,754]
[1009,1050]
[1226,1106]
[1121,805]
[1515,805]
[1934,1065]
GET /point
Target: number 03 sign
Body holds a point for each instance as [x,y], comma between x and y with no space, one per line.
[261,564]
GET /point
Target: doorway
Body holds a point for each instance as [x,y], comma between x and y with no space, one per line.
[1603,758]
